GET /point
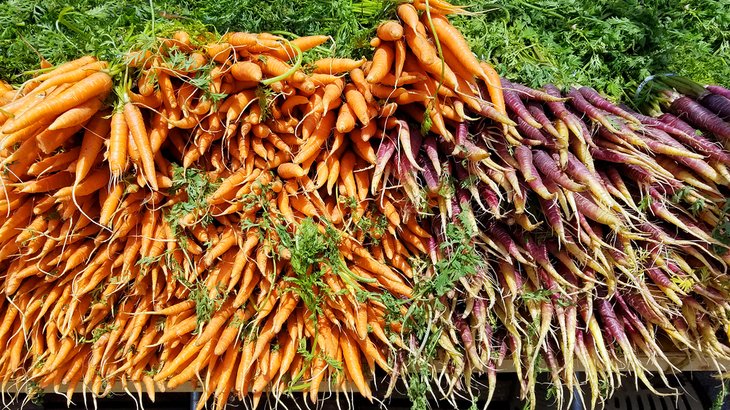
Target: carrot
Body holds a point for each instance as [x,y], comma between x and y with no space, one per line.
[77,115]
[92,86]
[382,63]
[49,183]
[353,364]
[317,139]
[491,78]
[390,30]
[69,77]
[409,15]
[91,144]
[117,150]
[49,140]
[55,162]
[94,182]
[168,93]
[347,165]
[336,65]
[290,170]
[66,67]
[288,50]
[450,38]
[215,324]
[330,98]
[109,206]
[345,119]
[137,129]
[357,104]
[274,67]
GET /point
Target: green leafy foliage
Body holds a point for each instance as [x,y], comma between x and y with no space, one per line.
[61,30]
[197,186]
[609,45]
[461,259]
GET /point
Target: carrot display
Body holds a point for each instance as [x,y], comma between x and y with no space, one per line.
[248,223]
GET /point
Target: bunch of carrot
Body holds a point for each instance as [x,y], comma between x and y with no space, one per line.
[248,223]
[203,231]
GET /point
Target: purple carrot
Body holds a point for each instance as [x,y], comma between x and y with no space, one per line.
[610,187]
[432,248]
[590,209]
[385,152]
[656,123]
[503,238]
[514,102]
[718,104]
[598,101]
[655,232]
[585,107]
[538,113]
[523,155]
[551,210]
[638,174]
[468,339]
[491,198]
[429,145]
[716,89]
[697,165]
[608,155]
[534,134]
[460,172]
[579,172]
[536,95]
[416,140]
[504,154]
[429,174]
[561,111]
[659,278]
[628,313]
[405,136]
[455,207]
[539,253]
[694,139]
[587,229]
[710,293]
[611,323]
[550,170]
[701,117]
[680,221]
[645,311]
[461,134]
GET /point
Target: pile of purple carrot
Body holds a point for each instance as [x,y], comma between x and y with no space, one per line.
[600,234]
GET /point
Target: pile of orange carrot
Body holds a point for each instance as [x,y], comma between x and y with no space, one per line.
[215,226]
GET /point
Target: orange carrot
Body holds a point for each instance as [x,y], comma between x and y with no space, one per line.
[77,115]
[94,136]
[345,119]
[92,86]
[117,150]
[382,63]
[137,129]
[491,78]
[357,104]
[290,170]
[336,65]
[390,30]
